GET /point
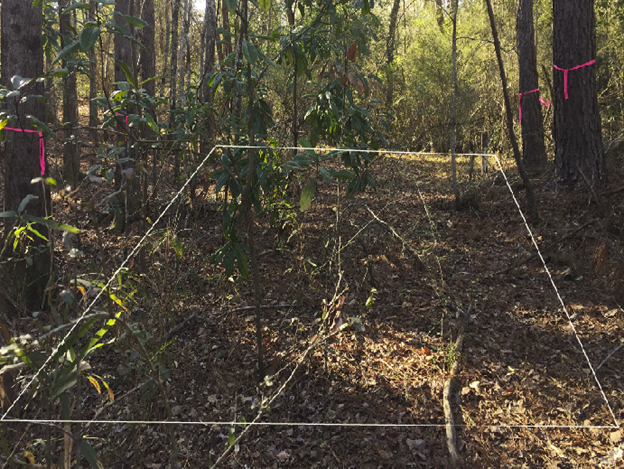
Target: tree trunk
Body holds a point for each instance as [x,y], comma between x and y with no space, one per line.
[208,54]
[533,149]
[390,47]
[183,48]
[93,110]
[454,108]
[528,187]
[148,56]
[71,149]
[122,45]
[578,140]
[175,18]
[165,49]
[22,54]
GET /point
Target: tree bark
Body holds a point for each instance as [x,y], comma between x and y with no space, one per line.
[93,110]
[390,47]
[148,56]
[165,49]
[71,149]
[454,109]
[123,48]
[528,187]
[22,54]
[183,47]
[578,140]
[533,149]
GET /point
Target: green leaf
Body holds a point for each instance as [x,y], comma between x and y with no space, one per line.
[11,214]
[307,195]
[325,175]
[177,246]
[241,261]
[90,455]
[24,202]
[98,335]
[231,437]
[250,52]
[36,3]
[128,73]
[88,37]
[342,174]
[225,32]
[305,143]
[265,4]
[66,51]
[231,4]
[76,5]
[52,224]
[66,380]
[134,21]
[40,126]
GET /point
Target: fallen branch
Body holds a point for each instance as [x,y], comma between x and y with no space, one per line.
[547,248]
[610,355]
[393,231]
[451,436]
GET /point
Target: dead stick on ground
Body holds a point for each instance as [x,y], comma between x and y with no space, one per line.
[451,435]
[393,231]
[547,248]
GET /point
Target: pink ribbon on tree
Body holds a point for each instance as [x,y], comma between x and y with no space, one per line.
[41,145]
[545,103]
[565,74]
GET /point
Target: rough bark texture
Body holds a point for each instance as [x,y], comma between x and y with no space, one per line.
[123,49]
[183,47]
[578,141]
[175,19]
[148,56]
[533,149]
[22,54]
[454,108]
[71,151]
[528,187]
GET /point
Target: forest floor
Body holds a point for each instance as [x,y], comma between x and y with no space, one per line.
[408,266]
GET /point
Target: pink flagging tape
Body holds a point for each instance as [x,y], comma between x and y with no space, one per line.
[545,103]
[41,145]
[565,74]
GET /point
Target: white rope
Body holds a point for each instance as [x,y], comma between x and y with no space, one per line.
[320,424]
[297,424]
[565,310]
[356,150]
[101,292]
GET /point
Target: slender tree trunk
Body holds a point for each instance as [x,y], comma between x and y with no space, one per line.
[71,149]
[578,139]
[533,149]
[165,49]
[454,109]
[183,48]
[208,54]
[530,194]
[175,16]
[93,110]
[390,48]
[22,54]
[123,50]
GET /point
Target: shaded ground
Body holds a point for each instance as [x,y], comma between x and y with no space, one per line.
[521,362]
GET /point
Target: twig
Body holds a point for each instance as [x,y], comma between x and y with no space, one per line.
[548,248]
[451,436]
[609,356]
[393,231]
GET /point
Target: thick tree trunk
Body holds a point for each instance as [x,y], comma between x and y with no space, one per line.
[578,140]
[71,151]
[148,56]
[533,149]
[22,54]
[528,187]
